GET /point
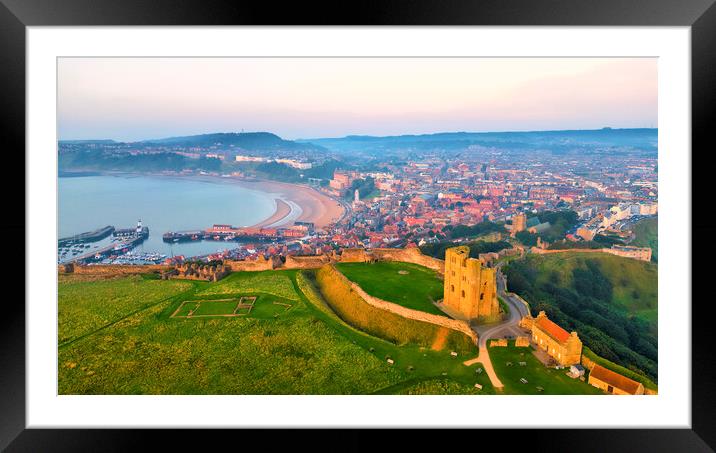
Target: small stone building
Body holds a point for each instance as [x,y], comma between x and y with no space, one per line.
[564,347]
[613,382]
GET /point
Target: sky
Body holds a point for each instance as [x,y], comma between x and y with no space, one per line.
[130,99]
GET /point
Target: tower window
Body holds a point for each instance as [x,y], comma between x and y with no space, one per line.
[463,293]
[452,288]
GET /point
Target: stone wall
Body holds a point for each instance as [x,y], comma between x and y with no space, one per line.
[113,269]
[587,362]
[260,264]
[306,262]
[642,254]
[353,256]
[442,321]
[409,255]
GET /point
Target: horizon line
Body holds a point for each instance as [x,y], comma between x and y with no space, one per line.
[357,135]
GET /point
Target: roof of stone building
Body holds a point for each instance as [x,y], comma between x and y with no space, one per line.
[552,329]
[614,379]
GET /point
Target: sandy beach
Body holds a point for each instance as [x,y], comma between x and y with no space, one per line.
[282,211]
[314,206]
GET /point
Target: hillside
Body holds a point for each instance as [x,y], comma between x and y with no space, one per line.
[250,141]
[611,301]
[646,235]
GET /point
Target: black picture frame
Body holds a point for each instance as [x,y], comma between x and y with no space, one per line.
[700,15]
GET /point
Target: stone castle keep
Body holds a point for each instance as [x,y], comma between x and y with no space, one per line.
[470,288]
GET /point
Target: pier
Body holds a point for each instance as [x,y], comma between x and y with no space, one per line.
[89,236]
[231,233]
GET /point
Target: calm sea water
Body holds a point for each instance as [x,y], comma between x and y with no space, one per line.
[164,204]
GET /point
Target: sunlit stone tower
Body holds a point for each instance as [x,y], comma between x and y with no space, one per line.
[470,288]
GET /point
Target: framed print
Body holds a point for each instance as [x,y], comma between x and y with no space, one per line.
[440,218]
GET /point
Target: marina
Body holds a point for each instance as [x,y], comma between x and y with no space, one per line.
[122,243]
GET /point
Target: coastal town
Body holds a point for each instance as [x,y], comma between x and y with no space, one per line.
[420,201]
[475,251]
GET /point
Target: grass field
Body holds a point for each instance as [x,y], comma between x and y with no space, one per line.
[406,284]
[277,283]
[646,235]
[256,306]
[552,381]
[151,353]
[305,350]
[85,306]
[136,347]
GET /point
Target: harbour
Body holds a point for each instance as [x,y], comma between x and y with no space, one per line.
[252,211]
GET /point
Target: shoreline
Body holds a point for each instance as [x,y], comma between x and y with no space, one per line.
[283,210]
[317,208]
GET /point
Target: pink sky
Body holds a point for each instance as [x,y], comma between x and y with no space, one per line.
[141,98]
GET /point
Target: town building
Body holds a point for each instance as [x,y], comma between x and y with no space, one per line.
[614,383]
[564,347]
[470,288]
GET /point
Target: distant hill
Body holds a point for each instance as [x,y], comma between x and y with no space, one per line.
[250,141]
[87,142]
[644,140]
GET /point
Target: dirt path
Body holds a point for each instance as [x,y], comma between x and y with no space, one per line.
[484,359]
[440,339]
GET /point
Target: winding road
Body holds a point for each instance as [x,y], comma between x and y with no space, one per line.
[507,328]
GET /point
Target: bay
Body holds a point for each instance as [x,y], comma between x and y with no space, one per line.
[163,204]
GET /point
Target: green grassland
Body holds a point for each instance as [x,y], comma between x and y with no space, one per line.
[85,306]
[305,350]
[552,381]
[646,235]
[151,353]
[416,289]
[610,301]
[441,387]
[266,306]
[276,283]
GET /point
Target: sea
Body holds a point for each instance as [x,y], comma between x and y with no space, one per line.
[86,203]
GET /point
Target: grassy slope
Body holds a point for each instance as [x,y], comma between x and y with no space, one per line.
[554,382]
[416,289]
[150,353]
[629,278]
[346,303]
[277,283]
[85,306]
[646,235]
[648,383]
[634,282]
[418,364]
[306,350]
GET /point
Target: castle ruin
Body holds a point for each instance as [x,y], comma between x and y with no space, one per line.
[470,289]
